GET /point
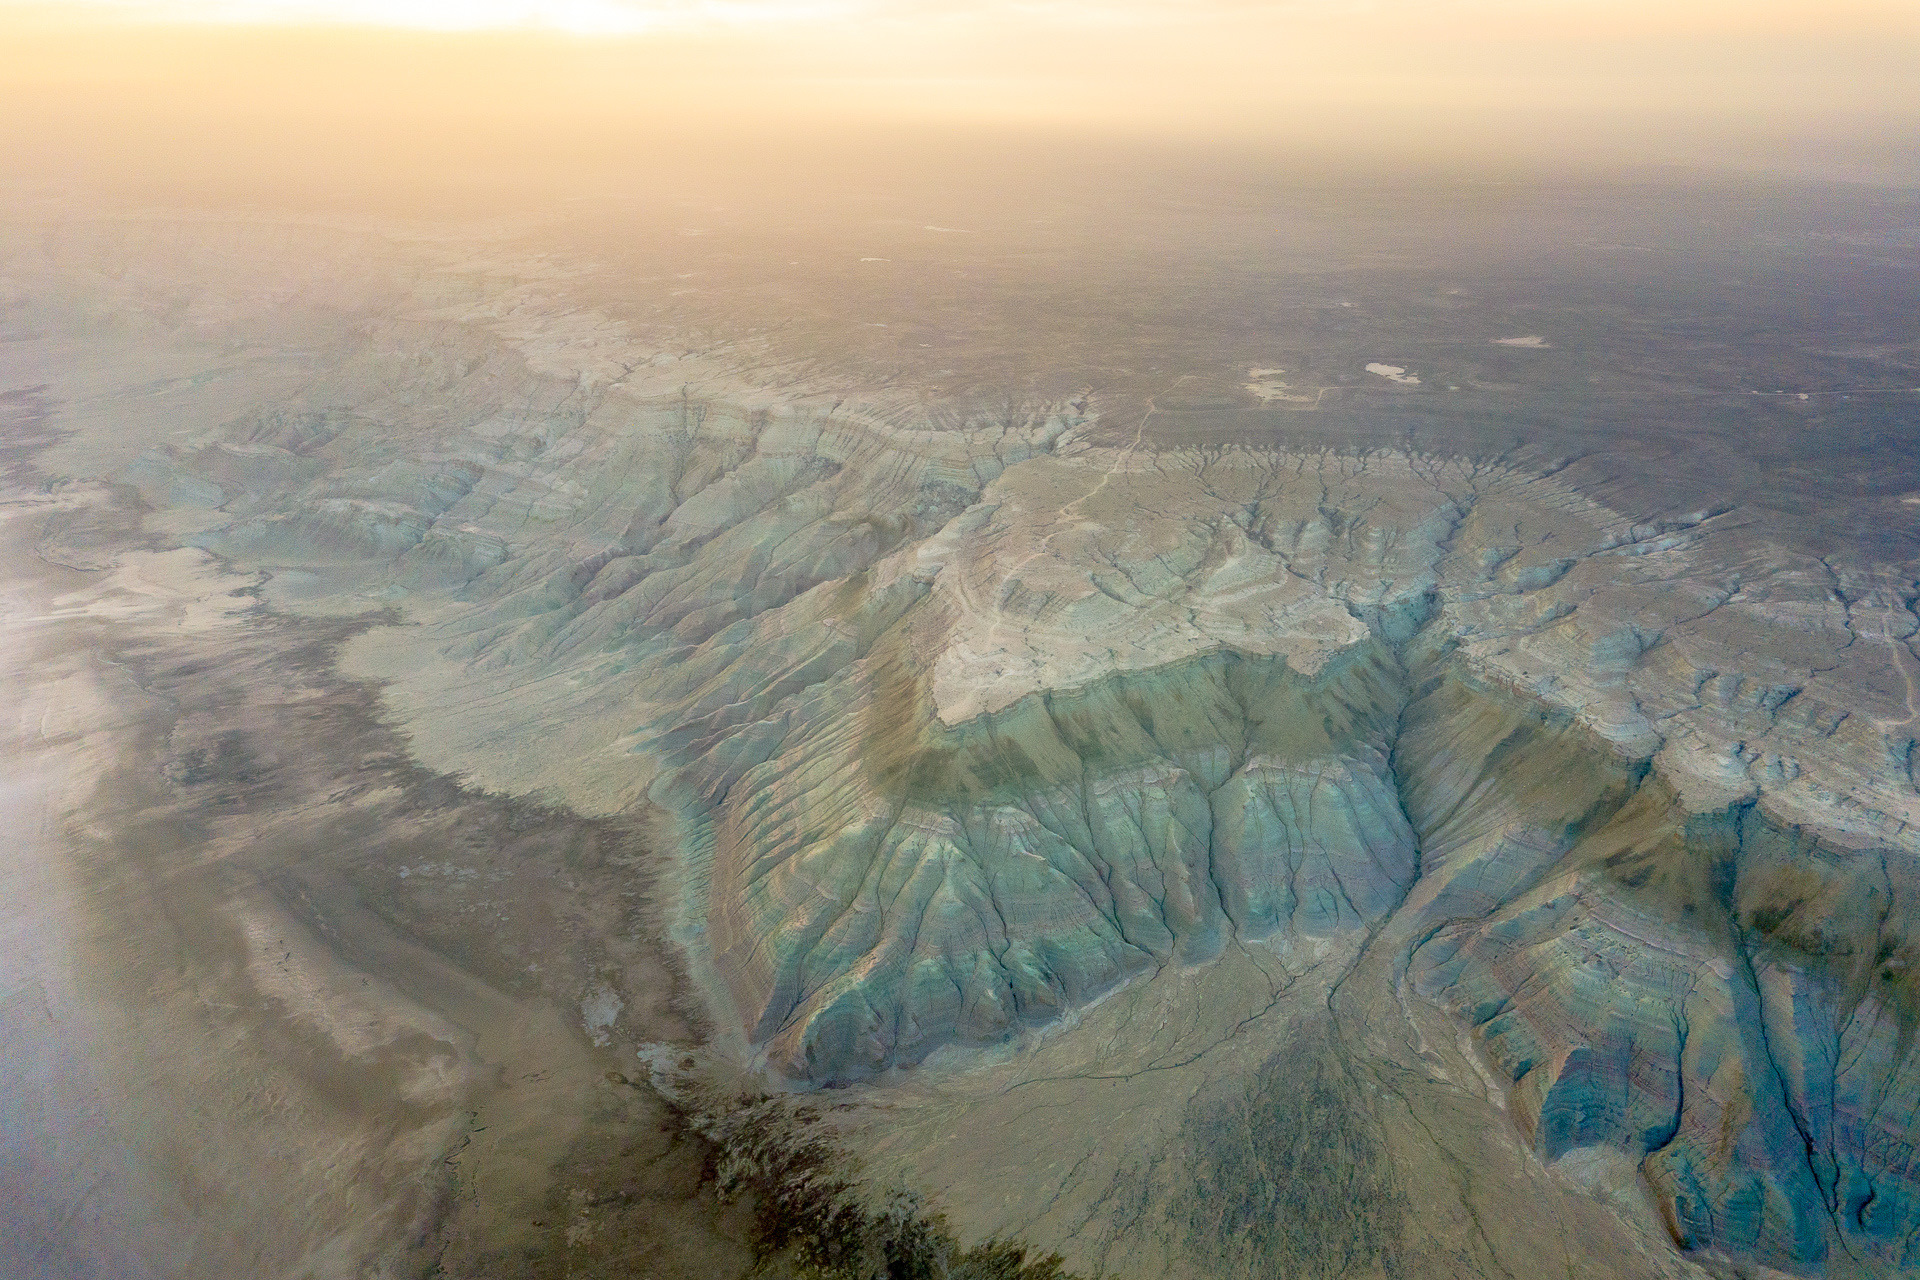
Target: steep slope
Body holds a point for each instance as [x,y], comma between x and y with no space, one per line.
[972,733]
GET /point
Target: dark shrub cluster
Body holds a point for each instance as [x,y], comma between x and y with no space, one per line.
[811,1210]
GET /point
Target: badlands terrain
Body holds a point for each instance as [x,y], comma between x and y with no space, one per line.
[708,739]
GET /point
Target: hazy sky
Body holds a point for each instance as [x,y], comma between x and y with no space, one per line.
[1820,85]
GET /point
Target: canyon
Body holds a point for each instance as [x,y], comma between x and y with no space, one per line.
[1190,853]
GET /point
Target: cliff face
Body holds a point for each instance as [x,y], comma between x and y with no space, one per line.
[1627,968]
[966,729]
[1611,880]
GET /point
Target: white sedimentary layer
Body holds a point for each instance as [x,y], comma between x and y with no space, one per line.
[961,734]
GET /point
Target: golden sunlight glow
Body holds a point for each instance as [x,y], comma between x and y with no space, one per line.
[1443,80]
[573,17]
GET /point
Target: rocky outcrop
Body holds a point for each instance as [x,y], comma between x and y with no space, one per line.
[1629,970]
[966,728]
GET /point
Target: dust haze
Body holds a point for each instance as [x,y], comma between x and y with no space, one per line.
[1016,641]
[282,104]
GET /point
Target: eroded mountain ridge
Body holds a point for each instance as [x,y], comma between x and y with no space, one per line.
[964,728]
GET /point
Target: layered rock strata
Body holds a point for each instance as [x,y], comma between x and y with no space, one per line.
[965,729]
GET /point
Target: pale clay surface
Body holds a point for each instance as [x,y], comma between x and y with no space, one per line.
[981,743]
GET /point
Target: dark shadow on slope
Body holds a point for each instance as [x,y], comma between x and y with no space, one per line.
[1292,1178]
